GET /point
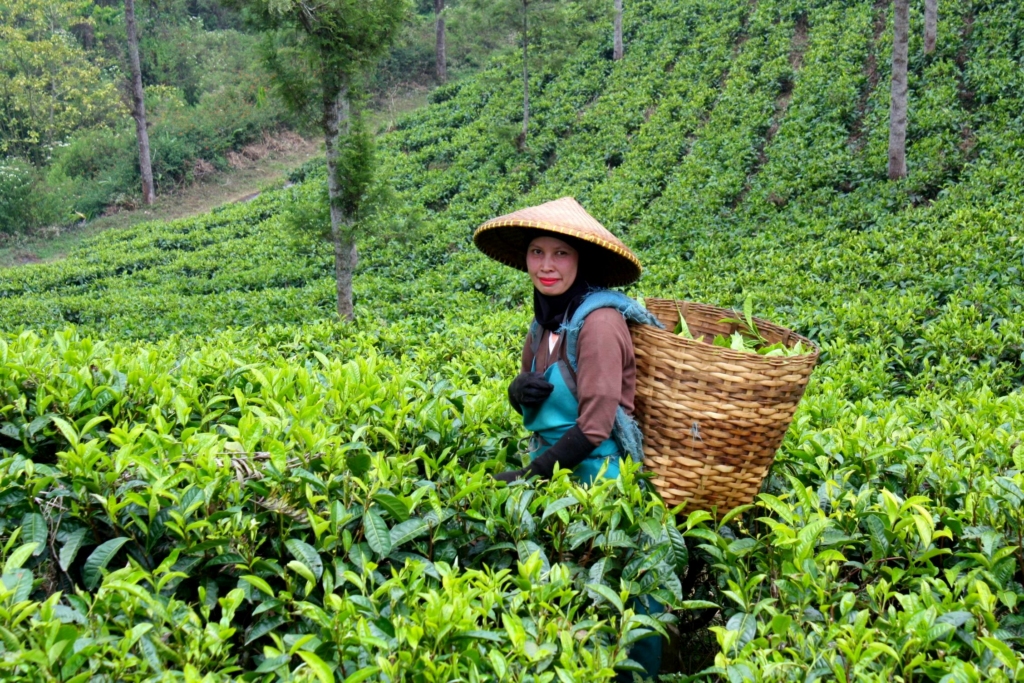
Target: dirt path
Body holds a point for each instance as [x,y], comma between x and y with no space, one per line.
[257,167]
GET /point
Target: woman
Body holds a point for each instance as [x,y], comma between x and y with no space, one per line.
[577,378]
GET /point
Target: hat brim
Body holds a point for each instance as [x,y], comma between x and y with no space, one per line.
[605,265]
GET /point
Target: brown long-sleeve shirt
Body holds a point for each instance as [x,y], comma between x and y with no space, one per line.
[606,372]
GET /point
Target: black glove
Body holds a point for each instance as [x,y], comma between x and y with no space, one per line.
[569,451]
[528,389]
[510,476]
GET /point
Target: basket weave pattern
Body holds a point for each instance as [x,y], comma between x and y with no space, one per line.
[712,418]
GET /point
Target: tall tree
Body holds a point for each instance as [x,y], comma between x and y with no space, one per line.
[931,24]
[526,69]
[442,56]
[898,93]
[547,32]
[138,103]
[318,55]
[618,30]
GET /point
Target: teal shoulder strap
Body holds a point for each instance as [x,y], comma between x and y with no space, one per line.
[630,309]
[535,336]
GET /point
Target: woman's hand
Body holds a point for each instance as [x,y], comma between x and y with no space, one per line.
[528,389]
[510,476]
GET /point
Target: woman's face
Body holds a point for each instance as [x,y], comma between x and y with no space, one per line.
[552,265]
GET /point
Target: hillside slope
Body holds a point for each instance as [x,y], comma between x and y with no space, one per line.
[739,147]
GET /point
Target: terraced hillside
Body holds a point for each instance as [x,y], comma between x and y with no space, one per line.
[207,417]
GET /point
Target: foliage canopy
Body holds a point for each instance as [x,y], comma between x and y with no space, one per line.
[51,87]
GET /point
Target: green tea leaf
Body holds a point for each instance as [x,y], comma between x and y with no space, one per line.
[377,534]
[560,504]
[358,463]
[607,594]
[478,634]
[263,627]
[66,430]
[33,530]
[99,559]
[18,557]
[781,623]
[682,329]
[597,570]
[745,624]
[319,667]
[393,505]
[1003,652]
[362,674]
[258,583]
[680,553]
[407,530]
[19,582]
[307,555]
[748,314]
[272,663]
[301,569]
[652,528]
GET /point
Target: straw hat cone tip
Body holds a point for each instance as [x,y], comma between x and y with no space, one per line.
[610,263]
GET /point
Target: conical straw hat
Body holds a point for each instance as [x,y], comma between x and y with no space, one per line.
[506,238]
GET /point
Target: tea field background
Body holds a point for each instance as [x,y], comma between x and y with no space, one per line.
[206,477]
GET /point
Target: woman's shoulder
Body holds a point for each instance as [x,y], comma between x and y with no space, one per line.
[605,316]
[605,321]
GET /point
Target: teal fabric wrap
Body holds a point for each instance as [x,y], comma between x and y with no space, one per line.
[625,430]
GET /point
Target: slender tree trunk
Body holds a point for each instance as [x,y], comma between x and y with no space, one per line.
[526,74]
[931,24]
[618,30]
[336,126]
[898,105]
[139,103]
[442,53]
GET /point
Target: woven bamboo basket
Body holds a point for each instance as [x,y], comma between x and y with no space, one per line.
[712,418]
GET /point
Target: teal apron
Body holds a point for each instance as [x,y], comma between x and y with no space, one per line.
[548,421]
[557,415]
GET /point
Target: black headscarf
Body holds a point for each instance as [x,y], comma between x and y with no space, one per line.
[552,311]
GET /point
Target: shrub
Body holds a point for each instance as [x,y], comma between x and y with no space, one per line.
[25,200]
[94,168]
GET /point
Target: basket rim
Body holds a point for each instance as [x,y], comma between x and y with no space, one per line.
[730,353]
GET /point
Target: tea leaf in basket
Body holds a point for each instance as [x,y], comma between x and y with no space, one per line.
[750,337]
[746,324]
[682,329]
[777,349]
[735,342]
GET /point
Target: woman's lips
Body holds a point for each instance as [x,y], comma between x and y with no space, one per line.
[547,282]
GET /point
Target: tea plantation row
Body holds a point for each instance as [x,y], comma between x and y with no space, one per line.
[221,482]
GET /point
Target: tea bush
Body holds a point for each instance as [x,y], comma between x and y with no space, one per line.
[202,446]
[373,541]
